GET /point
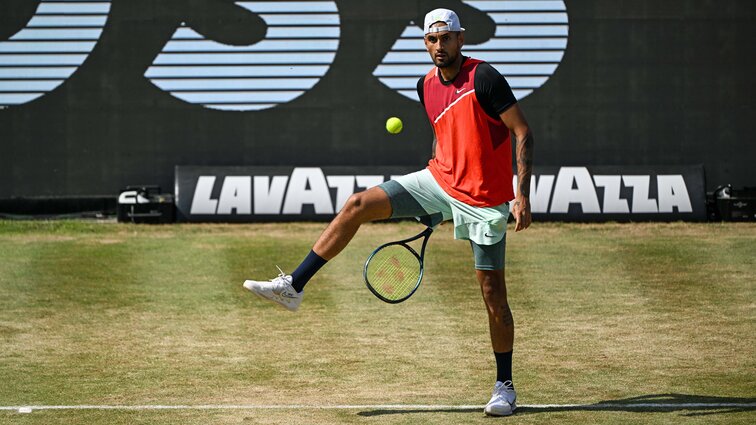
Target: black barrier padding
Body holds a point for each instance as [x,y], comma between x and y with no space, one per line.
[51,207]
[587,194]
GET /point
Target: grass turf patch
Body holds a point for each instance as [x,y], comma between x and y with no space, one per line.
[104,313]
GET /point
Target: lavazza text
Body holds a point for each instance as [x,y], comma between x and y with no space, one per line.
[560,192]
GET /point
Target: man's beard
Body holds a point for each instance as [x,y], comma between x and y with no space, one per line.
[444,63]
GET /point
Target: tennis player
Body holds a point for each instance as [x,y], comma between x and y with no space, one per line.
[468,180]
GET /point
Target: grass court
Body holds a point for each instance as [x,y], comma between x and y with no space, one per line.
[615,323]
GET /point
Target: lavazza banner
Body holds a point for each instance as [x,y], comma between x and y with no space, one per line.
[596,193]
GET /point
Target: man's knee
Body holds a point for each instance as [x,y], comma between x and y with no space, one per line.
[367,206]
[492,285]
[355,205]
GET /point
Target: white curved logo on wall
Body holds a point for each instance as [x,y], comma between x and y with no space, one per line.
[528,45]
[299,47]
[53,45]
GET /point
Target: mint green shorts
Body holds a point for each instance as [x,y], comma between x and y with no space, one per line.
[419,195]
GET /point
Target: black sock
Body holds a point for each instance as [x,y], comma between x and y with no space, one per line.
[503,366]
[310,265]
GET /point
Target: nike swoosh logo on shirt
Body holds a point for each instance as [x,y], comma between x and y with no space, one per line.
[487,235]
[460,91]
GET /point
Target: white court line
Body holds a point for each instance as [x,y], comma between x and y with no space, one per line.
[597,406]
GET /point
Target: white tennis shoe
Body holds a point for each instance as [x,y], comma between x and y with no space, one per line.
[503,400]
[278,290]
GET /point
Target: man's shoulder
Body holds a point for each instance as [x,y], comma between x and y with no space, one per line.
[485,68]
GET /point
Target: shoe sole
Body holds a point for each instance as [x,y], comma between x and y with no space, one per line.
[263,297]
[511,412]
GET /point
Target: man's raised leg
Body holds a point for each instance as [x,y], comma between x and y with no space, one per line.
[287,290]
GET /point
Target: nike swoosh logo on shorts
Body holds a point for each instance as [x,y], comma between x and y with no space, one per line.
[487,235]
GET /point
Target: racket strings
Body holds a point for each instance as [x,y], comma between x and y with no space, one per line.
[393,272]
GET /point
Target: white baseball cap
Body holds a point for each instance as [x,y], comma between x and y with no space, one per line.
[442,15]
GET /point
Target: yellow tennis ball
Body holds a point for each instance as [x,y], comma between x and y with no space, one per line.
[394,125]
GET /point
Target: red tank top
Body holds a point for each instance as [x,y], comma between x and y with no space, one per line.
[473,160]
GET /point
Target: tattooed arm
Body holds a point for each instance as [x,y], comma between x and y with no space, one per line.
[515,120]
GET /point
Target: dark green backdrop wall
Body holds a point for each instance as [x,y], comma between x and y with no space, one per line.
[642,82]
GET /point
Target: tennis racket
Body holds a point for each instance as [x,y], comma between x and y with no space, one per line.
[393,271]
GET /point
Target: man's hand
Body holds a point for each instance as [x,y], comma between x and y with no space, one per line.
[521,212]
